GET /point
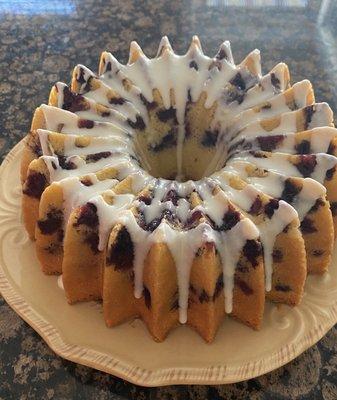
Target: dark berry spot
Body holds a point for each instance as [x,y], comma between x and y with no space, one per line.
[117,101]
[80,77]
[270,207]
[270,143]
[242,266]
[147,297]
[306,164]
[193,290]
[252,251]
[166,214]
[138,124]
[189,100]
[303,147]
[121,253]
[172,196]
[230,219]
[210,138]
[73,102]
[204,297]
[65,163]
[218,287]
[85,123]
[275,81]
[165,114]
[307,226]
[330,173]
[193,220]
[145,199]
[194,65]
[235,91]
[317,252]
[277,255]
[290,190]
[238,81]
[282,288]
[167,141]
[245,288]
[52,223]
[333,207]
[255,209]
[87,216]
[97,156]
[35,185]
[308,113]
[150,105]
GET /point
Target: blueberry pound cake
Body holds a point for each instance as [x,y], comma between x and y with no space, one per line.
[181,188]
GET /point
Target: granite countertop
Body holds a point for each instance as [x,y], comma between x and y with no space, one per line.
[41,41]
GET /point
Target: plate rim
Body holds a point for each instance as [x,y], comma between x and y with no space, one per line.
[216,374]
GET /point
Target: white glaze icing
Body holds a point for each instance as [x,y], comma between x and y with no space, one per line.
[285,164]
[76,194]
[273,183]
[288,122]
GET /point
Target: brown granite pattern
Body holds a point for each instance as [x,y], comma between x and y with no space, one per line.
[40,42]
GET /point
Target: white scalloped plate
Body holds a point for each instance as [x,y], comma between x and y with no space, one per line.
[78,333]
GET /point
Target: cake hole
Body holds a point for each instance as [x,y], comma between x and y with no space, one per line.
[170,149]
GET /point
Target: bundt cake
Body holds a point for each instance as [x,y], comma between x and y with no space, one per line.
[179,189]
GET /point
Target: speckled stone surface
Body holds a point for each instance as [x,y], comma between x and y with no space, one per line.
[40,42]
